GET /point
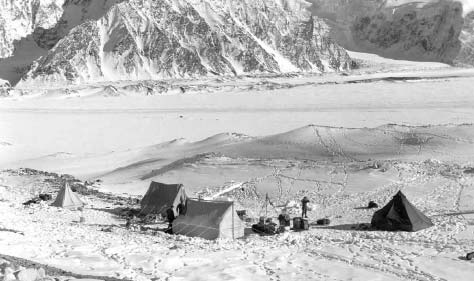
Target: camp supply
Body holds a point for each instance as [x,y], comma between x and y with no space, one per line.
[469,256]
[323,222]
[304,224]
[45,197]
[372,204]
[297,223]
[284,219]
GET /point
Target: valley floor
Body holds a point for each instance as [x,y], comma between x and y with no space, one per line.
[378,130]
[91,122]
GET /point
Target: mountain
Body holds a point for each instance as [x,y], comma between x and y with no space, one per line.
[34,26]
[74,13]
[4,87]
[18,18]
[427,30]
[466,54]
[145,39]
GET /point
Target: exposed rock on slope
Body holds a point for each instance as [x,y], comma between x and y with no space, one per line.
[466,54]
[429,30]
[186,38]
[18,18]
[75,12]
[4,87]
[428,33]
[40,29]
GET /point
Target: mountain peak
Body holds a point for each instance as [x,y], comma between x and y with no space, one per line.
[189,38]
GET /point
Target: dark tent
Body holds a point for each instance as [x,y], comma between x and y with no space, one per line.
[160,197]
[400,214]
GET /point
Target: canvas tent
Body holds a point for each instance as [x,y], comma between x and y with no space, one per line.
[400,214]
[160,197]
[209,220]
[67,199]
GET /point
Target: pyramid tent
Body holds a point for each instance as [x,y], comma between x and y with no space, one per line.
[160,197]
[66,198]
[209,220]
[400,214]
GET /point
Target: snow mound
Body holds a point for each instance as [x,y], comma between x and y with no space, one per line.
[314,142]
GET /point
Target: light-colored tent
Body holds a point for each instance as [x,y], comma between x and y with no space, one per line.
[209,220]
[160,197]
[66,198]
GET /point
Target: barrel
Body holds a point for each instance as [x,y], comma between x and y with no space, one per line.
[297,223]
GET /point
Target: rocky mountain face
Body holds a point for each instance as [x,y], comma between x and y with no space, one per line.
[152,39]
[4,88]
[466,54]
[428,30]
[74,13]
[40,29]
[19,18]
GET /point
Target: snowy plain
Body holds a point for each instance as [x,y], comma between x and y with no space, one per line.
[413,120]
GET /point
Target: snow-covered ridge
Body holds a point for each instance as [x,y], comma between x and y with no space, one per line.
[189,38]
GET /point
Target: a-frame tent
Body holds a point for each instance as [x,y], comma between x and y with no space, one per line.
[160,197]
[66,198]
[209,220]
[400,214]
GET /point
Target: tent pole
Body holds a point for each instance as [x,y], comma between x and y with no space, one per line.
[266,205]
[233,220]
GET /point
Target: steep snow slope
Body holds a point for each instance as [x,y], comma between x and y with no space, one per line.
[187,38]
[429,30]
[18,18]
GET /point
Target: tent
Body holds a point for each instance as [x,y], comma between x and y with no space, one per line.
[400,214]
[209,220]
[67,198]
[160,197]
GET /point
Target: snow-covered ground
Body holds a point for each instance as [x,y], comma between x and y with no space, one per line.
[390,125]
[53,122]
[342,251]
